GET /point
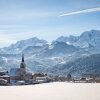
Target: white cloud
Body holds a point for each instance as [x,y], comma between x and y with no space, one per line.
[22,15]
[5,40]
[82,11]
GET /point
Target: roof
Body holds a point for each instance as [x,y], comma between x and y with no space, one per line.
[3,73]
[5,76]
[14,71]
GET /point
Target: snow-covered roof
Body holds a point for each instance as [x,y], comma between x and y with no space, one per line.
[14,71]
[5,76]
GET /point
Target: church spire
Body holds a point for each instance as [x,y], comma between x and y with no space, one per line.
[22,57]
[22,65]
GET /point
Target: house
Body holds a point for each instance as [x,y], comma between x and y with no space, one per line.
[3,72]
[38,75]
[41,79]
[5,77]
[38,78]
[3,81]
[94,76]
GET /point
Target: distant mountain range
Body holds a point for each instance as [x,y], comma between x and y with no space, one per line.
[88,39]
[20,46]
[73,54]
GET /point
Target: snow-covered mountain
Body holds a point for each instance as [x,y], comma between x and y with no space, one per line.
[22,45]
[84,64]
[64,55]
[69,40]
[89,38]
[85,40]
[59,49]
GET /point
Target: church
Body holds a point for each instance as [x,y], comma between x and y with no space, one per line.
[20,73]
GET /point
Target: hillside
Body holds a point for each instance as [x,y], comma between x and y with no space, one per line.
[73,54]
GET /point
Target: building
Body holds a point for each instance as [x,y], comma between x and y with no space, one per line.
[38,75]
[20,76]
[19,73]
[23,69]
[4,77]
[3,81]
[69,77]
[14,73]
[3,72]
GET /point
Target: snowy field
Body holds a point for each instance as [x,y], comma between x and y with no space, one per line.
[52,91]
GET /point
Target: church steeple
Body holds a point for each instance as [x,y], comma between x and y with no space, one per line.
[22,68]
[22,65]
[22,57]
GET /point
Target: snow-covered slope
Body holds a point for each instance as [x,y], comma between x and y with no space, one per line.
[69,40]
[55,58]
[89,38]
[84,40]
[83,65]
[59,49]
[21,45]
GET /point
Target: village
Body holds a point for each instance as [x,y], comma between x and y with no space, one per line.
[19,76]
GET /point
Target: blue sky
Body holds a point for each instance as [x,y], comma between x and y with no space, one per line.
[46,19]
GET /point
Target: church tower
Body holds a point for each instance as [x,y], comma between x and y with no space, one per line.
[23,65]
[22,68]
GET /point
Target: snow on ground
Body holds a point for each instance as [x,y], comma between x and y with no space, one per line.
[52,91]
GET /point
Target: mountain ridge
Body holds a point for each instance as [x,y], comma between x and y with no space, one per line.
[52,58]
